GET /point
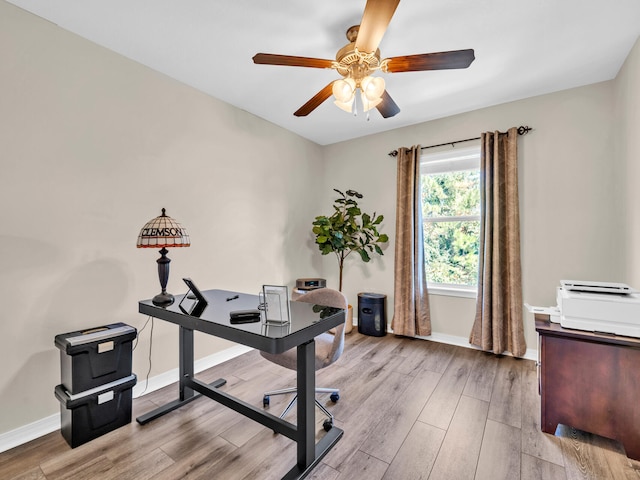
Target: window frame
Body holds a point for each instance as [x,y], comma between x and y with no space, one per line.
[451,160]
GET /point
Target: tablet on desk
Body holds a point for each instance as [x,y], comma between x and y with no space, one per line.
[199,303]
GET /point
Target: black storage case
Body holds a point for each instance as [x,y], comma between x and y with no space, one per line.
[372,317]
[91,358]
[93,413]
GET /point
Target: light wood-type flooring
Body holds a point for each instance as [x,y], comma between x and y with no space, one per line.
[410,409]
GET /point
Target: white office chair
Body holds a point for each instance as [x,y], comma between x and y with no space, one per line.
[328,349]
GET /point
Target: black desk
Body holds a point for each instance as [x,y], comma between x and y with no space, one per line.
[300,333]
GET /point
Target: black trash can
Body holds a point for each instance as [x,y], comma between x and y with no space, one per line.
[372,317]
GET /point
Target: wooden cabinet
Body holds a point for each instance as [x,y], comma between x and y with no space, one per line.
[591,382]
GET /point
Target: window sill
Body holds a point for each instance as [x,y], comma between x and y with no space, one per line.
[451,291]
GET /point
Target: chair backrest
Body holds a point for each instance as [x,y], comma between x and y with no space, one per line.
[329,298]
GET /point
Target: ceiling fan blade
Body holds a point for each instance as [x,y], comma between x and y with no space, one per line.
[375,20]
[291,61]
[315,101]
[431,61]
[387,108]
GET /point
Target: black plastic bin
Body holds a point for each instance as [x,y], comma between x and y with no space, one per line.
[94,357]
[372,317]
[93,413]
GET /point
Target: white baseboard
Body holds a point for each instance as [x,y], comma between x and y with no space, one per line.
[51,423]
[172,376]
[531,353]
[29,432]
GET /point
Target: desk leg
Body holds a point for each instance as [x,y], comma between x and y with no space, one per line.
[186,371]
[309,454]
[306,384]
[186,362]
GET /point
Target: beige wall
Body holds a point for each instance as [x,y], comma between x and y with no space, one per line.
[92,145]
[627,109]
[569,198]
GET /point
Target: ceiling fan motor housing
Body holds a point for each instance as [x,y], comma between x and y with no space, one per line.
[351,62]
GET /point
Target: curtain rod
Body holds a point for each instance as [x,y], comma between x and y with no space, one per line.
[521,131]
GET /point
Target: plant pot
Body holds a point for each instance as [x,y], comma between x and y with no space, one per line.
[348,325]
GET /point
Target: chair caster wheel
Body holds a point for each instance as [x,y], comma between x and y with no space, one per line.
[265,401]
[335,397]
[327,425]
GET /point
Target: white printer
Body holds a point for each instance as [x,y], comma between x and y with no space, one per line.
[599,307]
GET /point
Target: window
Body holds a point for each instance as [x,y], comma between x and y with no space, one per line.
[450,183]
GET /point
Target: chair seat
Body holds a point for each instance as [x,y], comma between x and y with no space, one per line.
[324,348]
[328,348]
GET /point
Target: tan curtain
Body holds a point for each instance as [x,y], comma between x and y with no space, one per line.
[498,324]
[411,303]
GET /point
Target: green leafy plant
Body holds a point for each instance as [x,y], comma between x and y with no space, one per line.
[349,230]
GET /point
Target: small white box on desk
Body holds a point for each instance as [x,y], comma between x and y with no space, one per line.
[553,312]
[600,312]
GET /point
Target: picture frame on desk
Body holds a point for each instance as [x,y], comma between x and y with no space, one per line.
[276,304]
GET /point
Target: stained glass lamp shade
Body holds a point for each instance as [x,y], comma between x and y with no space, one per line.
[163,232]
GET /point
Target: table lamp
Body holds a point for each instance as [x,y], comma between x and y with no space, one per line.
[162,232]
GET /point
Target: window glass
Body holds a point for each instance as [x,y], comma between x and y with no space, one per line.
[450,183]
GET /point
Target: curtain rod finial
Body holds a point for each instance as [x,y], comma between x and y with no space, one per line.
[522,130]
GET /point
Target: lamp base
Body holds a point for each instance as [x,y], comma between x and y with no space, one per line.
[163,299]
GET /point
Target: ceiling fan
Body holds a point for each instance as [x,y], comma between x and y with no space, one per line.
[361,57]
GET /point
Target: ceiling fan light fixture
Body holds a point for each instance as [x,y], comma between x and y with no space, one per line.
[346,106]
[372,87]
[368,104]
[344,89]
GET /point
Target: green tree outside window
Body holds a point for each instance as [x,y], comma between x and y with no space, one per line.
[451,209]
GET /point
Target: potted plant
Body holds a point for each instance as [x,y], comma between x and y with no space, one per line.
[349,230]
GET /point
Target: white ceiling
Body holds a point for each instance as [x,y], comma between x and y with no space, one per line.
[522,49]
